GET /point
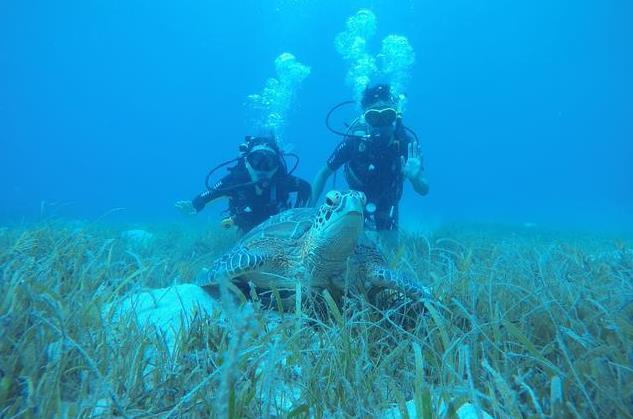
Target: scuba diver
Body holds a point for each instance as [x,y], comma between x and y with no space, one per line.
[379,153]
[258,186]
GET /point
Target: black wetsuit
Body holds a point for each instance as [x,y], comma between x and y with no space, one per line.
[246,206]
[375,170]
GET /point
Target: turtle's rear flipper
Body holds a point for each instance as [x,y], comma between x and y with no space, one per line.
[382,277]
[401,299]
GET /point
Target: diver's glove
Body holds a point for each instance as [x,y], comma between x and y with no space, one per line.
[186,207]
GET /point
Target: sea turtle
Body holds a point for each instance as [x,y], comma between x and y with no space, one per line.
[319,248]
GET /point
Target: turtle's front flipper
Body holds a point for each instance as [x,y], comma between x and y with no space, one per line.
[233,265]
[380,277]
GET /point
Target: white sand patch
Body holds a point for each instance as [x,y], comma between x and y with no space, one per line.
[465,411]
[165,310]
[137,238]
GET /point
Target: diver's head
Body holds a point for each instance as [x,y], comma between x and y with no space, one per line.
[261,157]
[380,112]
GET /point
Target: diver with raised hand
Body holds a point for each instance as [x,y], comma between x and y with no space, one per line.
[258,185]
[378,153]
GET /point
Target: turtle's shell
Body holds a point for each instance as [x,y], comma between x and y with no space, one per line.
[291,224]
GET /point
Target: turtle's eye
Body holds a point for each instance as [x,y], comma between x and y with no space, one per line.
[332,198]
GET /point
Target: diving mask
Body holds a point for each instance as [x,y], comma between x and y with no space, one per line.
[263,160]
[380,117]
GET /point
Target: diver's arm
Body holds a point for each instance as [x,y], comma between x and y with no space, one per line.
[420,184]
[341,155]
[319,184]
[217,191]
[201,200]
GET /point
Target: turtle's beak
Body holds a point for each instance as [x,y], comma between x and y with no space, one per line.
[352,211]
[347,221]
[354,218]
[353,203]
[349,224]
[342,231]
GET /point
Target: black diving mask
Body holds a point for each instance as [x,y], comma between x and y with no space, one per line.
[380,117]
[263,160]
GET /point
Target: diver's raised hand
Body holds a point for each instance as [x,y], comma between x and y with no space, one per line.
[185,207]
[412,164]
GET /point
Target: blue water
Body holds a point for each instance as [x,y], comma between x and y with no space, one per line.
[525,109]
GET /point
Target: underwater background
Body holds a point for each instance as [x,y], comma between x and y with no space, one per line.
[113,110]
[524,109]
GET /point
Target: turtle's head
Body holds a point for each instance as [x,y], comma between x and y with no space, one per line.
[338,224]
